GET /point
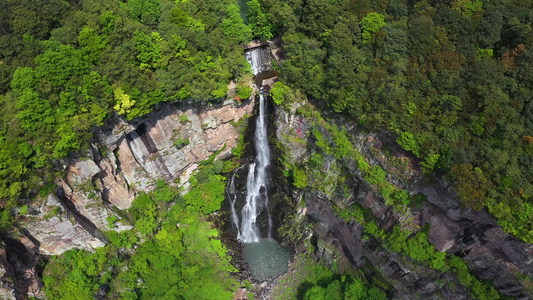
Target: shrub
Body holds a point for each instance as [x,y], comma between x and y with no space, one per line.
[184,118]
[281,93]
[300,178]
[180,142]
[244,92]
[23,210]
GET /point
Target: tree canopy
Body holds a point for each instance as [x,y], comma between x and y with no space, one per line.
[451,80]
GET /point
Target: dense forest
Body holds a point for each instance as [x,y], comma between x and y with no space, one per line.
[450,80]
[66,67]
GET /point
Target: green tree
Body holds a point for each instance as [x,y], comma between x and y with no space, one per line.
[244,91]
[372,23]
[92,44]
[281,93]
[146,11]
[124,101]
[233,25]
[149,52]
[316,293]
[408,142]
[471,185]
[258,21]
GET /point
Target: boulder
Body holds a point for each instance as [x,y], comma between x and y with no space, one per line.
[55,232]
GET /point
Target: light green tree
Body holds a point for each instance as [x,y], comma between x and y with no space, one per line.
[233,25]
[258,21]
[372,23]
[123,102]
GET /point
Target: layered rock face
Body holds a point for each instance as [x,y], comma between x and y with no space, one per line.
[127,158]
[490,253]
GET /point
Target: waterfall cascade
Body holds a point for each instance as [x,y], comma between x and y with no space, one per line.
[265,257]
[257,180]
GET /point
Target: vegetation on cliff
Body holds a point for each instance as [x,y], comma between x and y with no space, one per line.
[451,79]
[173,252]
[66,67]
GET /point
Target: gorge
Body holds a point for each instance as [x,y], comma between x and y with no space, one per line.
[265,258]
[262,149]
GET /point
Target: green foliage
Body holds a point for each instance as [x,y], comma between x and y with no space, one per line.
[208,192]
[300,179]
[479,290]
[23,210]
[238,150]
[281,93]
[6,220]
[417,247]
[372,23]
[321,142]
[408,142]
[244,92]
[124,102]
[111,221]
[468,7]
[58,63]
[315,281]
[470,185]
[146,11]
[426,74]
[180,257]
[376,175]
[123,239]
[184,118]
[258,21]
[233,25]
[483,53]
[92,44]
[149,52]
[430,163]
[180,142]
[76,274]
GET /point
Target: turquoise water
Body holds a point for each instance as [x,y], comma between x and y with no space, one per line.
[267,259]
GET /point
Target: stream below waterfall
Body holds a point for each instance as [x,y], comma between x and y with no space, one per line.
[266,259]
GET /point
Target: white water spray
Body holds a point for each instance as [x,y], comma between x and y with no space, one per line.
[256,184]
[257,180]
[265,258]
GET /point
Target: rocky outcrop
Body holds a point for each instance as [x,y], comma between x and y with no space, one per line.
[54,233]
[124,159]
[7,287]
[170,141]
[489,252]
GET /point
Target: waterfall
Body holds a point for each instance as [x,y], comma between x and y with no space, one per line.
[232,194]
[259,59]
[264,257]
[254,58]
[256,183]
[257,180]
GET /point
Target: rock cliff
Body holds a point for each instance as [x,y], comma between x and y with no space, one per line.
[124,159]
[475,236]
